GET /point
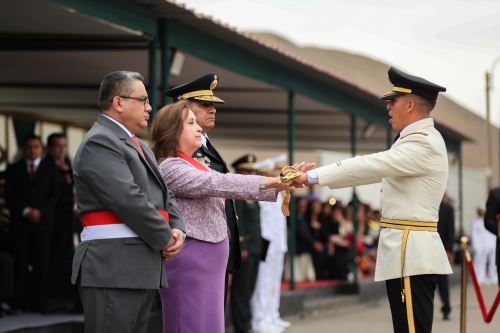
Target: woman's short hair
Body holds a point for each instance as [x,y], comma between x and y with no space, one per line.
[166,129]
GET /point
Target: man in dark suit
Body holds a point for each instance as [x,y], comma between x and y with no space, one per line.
[200,95]
[492,220]
[65,223]
[32,190]
[129,216]
[245,278]
[57,150]
[446,230]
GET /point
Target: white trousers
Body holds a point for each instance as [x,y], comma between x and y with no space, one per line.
[482,256]
[265,300]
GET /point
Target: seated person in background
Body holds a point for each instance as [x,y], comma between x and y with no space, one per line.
[196,275]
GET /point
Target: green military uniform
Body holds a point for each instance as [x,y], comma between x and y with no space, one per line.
[245,278]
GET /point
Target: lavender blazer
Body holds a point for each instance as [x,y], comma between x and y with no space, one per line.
[200,196]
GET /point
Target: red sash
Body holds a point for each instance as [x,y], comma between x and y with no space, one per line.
[192,161]
[108,217]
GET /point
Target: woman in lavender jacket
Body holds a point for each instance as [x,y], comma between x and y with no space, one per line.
[194,301]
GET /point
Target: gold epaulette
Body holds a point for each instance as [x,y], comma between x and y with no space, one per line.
[419,132]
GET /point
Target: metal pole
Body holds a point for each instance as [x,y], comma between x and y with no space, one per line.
[291,150]
[355,221]
[153,77]
[463,287]
[7,139]
[488,131]
[164,58]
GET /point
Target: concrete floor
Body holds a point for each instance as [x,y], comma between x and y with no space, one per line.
[374,317]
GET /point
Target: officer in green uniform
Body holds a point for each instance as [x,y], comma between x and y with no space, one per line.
[251,250]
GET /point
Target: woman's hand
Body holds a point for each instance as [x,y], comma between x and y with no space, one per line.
[275,182]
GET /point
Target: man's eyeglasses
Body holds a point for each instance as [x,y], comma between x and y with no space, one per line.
[145,100]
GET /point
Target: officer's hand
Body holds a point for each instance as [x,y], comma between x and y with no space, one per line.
[318,247]
[301,181]
[33,214]
[451,257]
[244,255]
[304,166]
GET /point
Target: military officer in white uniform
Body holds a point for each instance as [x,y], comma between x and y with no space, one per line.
[414,173]
[265,300]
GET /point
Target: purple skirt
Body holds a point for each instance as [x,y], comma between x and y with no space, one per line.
[194,299]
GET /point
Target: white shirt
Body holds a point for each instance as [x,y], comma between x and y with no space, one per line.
[204,138]
[119,124]
[36,163]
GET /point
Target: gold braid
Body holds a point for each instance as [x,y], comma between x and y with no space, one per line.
[287,176]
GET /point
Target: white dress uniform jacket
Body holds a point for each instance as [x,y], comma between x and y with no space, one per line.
[414,173]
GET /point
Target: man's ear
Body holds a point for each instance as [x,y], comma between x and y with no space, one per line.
[411,105]
[117,104]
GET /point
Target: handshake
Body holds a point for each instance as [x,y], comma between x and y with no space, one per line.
[290,178]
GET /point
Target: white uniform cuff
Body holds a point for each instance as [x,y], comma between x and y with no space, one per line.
[312,177]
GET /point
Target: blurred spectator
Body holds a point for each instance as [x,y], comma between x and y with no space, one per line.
[57,150]
[492,220]
[313,218]
[446,230]
[370,241]
[303,264]
[340,244]
[244,280]
[6,284]
[32,190]
[66,226]
[483,245]
[266,297]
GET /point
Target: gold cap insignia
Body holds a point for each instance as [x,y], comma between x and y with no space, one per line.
[214,83]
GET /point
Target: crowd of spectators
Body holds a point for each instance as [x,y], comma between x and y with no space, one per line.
[327,242]
[37,228]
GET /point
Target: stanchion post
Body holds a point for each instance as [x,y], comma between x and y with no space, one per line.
[463,291]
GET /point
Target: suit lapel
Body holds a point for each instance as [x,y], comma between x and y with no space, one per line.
[146,160]
[152,166]
[122,135]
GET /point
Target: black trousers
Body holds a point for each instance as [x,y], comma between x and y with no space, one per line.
[31,288]
[422,301]
[444,293]
[242,288]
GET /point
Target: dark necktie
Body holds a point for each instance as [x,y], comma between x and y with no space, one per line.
[138,144]
[64,170]
[211,148]
[32,169]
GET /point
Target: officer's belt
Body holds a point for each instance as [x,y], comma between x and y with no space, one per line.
[407,226]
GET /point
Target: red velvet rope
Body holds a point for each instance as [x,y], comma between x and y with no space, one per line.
[487,316]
